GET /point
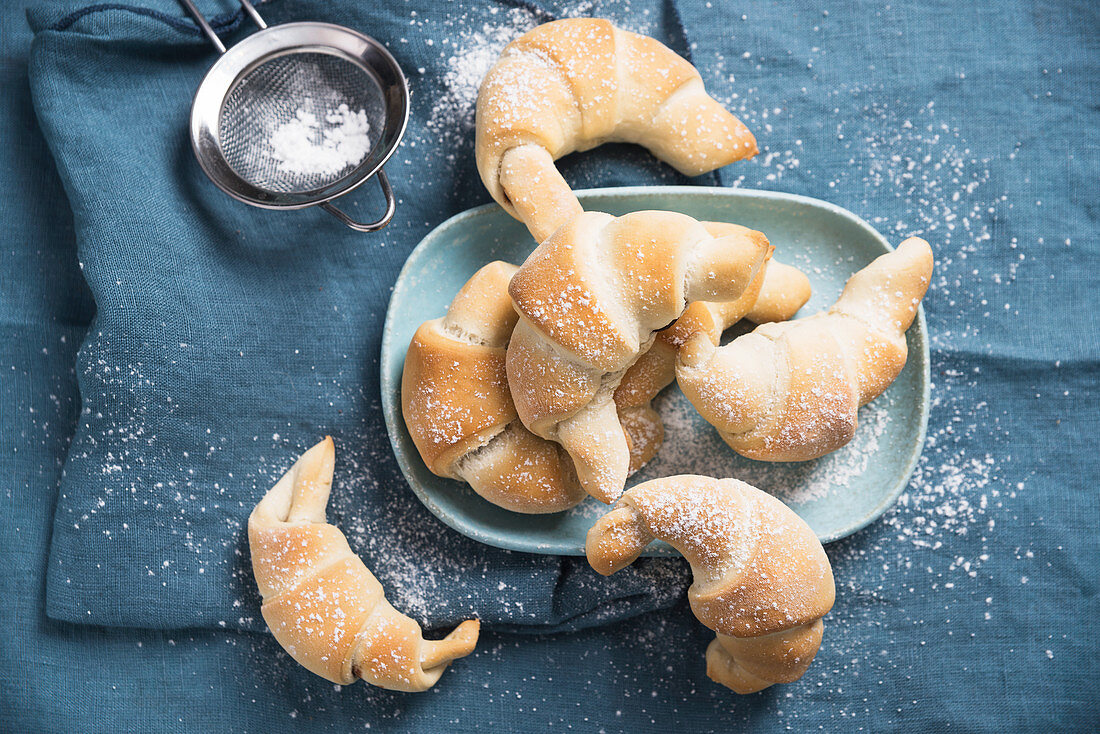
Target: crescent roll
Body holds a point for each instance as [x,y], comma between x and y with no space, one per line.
[323,605]
[456,404]
[790,391]
[762,580]
[775,295]
[575,84]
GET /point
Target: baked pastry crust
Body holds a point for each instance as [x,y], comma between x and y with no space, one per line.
[590,300]
[459,411]
[775,295]
[321,602]
[762,580]
[790,391]
[574,84]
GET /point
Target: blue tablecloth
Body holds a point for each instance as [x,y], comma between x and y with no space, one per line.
[972,605]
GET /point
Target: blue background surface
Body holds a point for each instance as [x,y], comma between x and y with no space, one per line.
[971,605]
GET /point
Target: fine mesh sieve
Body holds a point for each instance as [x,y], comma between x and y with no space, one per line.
[298,115]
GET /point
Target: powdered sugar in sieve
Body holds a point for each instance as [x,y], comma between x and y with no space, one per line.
[307,145]
[299,122]
[299,115]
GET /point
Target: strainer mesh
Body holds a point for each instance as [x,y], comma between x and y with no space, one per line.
[282,126]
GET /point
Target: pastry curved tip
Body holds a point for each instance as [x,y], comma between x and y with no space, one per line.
[916,251]
[645,434]
[916,244]
[696,351]
[752,148]
[749,244]
[465,636]
[315,464]
[312,482]
[600,449]
[458,644]
[744,145]
[722,268]
[302,492]
[785,290]
[601,493]
[597,477]
[724,670]
[326,451]
[749,664]
[615,541]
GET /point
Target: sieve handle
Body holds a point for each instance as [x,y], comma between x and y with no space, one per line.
[204,24]
[391,207]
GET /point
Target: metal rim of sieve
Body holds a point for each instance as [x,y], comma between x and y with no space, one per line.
[277,41]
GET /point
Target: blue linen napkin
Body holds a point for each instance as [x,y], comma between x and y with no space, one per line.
[227,339]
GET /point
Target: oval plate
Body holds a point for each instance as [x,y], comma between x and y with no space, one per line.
[837,494]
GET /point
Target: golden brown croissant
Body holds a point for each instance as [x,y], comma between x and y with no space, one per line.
[775,295]
[762,581]
[323,605]
[578,83]
[790,391]
[590,299]
[456,404]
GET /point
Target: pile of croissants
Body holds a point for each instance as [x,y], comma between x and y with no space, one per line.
[535,388]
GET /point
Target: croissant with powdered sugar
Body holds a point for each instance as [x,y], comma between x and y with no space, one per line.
[762,581]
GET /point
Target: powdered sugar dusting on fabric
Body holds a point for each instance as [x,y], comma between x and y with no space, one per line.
[470,55]
[471,51]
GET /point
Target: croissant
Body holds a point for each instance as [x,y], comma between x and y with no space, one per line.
[575,84]
[456,404]
[323,605]
[762,580]
[775,295]
[790,391]
[590,299]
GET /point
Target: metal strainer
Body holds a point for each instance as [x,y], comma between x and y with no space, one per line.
[308,79]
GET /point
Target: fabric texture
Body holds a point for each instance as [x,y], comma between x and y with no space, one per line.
[972,605]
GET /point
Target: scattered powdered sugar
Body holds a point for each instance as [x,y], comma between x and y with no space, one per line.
[928,172]
[307,145]
[908,168]
[953,489]
[431,582]
[692,446]
[470,51]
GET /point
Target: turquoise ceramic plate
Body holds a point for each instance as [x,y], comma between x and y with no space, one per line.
[837,495]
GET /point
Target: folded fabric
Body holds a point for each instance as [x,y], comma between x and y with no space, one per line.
[227,338]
